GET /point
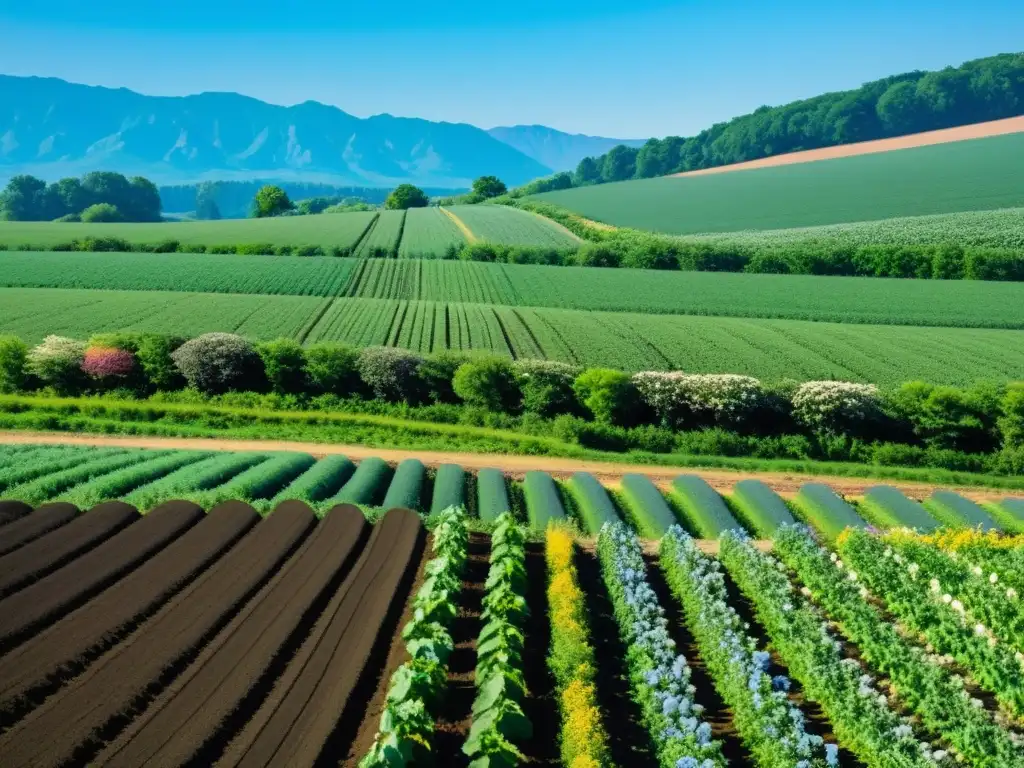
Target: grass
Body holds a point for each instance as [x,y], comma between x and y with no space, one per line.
[979,174]
[510,226]
[339,230]
[768,349]
[99,416]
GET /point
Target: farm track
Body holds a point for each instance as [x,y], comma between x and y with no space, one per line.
[609,473]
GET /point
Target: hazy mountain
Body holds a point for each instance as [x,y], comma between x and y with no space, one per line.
[555,149]
[53,128]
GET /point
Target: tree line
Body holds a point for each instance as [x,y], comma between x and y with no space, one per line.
[977,91]
[96,196]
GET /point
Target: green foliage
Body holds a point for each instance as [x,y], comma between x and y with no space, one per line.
[406,196]
[367,485]
[284,363]
[406,486]
[592,500]
[270,201]
[429,234]
[547,386]
[488,383]
[543,502]
[1011,423]
[218,362]
[609,395]
[57,362]
[886,507]
[13,362]
[384,236]
[332,369]
[319,482]
[953,510]
[438,373]
[154,352]
[760,508]
[101,212]
[487,187]
[391,374]
[492,495]
[951,418]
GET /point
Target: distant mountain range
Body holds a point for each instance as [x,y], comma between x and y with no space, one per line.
[52,128]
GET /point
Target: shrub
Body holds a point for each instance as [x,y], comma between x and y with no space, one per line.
[949,417]
[218,362]
[391,374]
[13,358]
[155,355]
[993,264]
[284,365]
[108,362]
[1011,423]
[769,263]
[693,400]
[547,386]
[69,217]
[437,372]
[488,382]
[597,255]
[836,407]
[609,395]
[58,363]
[331,369]
[101,212]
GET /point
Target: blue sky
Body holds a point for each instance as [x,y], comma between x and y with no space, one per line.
[626,70]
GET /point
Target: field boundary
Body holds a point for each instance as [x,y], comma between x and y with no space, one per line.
[466,231]
[910,141]
[609,473]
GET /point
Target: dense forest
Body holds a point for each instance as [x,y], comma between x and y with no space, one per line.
[97,196]
[233,199]
[979,90]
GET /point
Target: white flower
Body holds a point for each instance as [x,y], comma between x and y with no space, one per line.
[805,591]
[1011,593]
[935,586]
[979,629]
[957,606]
[992,642]
[947,598]
[993,578]
[976,570]
[864,592]
[834,557]
[913,568]
[852,576]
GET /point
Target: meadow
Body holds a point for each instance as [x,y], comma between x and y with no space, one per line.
[883,301]
[767,349]
[978,174]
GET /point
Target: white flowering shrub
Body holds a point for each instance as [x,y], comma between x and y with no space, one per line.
[687,399]
[836,406]
[57,362]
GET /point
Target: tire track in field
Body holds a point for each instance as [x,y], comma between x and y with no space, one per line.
[466,231]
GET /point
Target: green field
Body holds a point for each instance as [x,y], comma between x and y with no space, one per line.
[429,234]
[979,174]
[342,230]
[493,224]
[384,235]
[769,349]
[958,303]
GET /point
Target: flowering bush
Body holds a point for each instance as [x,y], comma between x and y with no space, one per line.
[768,723]
[924,607]
[684,400]
[659,676]
[858,711]
[108,362]
[391,374]
[927,688]
[836,407]
[216,362]
[58,363]
[403,737]
[584,741]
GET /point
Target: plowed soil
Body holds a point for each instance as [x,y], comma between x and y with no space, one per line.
[12,510]
[925,139]
[186,638]
[31,527]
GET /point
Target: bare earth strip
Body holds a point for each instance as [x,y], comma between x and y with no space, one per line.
[466,231]
[609,473]
[928,138]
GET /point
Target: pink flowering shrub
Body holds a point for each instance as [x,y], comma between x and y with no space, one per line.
[108,362]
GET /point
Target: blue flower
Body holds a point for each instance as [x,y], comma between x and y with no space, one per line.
[780,683]
[762,659]
[703,734]
[832,754]
[687,762]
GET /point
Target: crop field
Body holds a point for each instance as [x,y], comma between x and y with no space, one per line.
[973,175]
[384,235]
[886,301]
[493,224]
[768,349]
[429,234]
[171,608]
[338,230]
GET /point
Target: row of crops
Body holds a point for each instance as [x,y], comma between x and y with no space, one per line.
[766,349]
[842,646]
[955,303]
[86,476]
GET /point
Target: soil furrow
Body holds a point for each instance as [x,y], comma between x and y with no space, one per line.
[541,702]
[31,609]
[48,553]
[35,670]
[13,510]
[29,528]
[234,673]
[73,725]
[309,717]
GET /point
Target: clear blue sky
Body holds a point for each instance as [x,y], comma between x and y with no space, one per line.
[623,69]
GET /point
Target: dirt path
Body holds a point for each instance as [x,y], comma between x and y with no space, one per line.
[609,473]
[928,138]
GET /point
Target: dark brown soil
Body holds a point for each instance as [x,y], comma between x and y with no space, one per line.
[29,528]
[452,725]
[310,717]
[629,742]
[37,669]
[75,723]
[32,608]
[541,703]
[48,553]
[13,510]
